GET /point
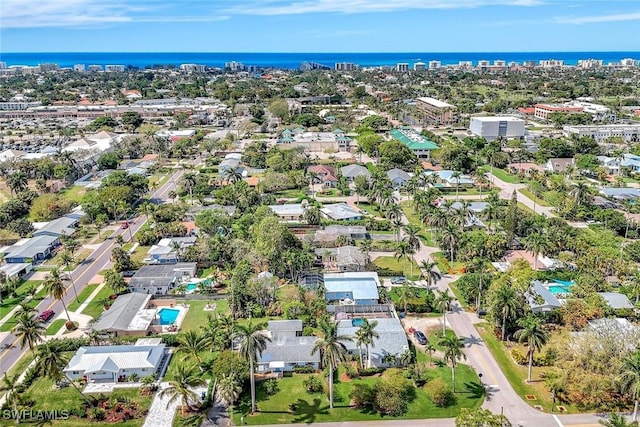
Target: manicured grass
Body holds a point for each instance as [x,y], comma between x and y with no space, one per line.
[502,174]
[96,306]
[196,316]
[458,294]
[33,303]
[55,326]
[369,208]
[444,265]
[529,194]
[75,193]
[402,268]
[290,194]
[410,213]
[140,253]
[315,407]
[435,336]
[8,304]
[517,374]
[82,297]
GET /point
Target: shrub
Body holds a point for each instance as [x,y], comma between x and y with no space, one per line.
[71,326]
[303,370]
[351,371]
[313,384]
[518,357]
[271,387]
[362,395]
[392,396]
[97,414]
[440,393]
[367,372]
[418,373]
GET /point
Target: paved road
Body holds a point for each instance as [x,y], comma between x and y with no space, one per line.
[97,261]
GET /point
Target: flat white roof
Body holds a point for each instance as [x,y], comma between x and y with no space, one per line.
[497,119]
[434,102]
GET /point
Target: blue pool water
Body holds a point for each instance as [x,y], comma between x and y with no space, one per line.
[168,316]
[559,289]
[564,282]
[357,322]
[191,287]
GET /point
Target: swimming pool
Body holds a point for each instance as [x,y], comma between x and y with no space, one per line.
[168,316]
[559,289]
[191,287]
[564,282]
[357,322]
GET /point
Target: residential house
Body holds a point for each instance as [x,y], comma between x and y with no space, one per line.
[16,270]
[169,250]
[559,165]
[325,175]
[524,168]
[621,193]
[63,226]
[631,162]
[31,251]
[288,348]
[343,258]
[348,288]
[611,165]
[129,315]
[616,300]
[117,363]
[292,212]
[540,298]
[341,212]
[391,340]
[446,179]
[398,177]
[160,279]
[331,233]
[420,145]
[193,211]
[350,172]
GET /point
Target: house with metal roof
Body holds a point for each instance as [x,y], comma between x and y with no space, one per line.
[63,226]
[127,316]
[159,279]
[352,288]
[540,298]
[287,349]
[31,250]
[446,179]
[416,142]
[391,340]
[341,212]
[343,258]
[168,250]
[116,363]
[398,177]
[350,172]
[331,233]
[616,300]
[621,193]
[289,211]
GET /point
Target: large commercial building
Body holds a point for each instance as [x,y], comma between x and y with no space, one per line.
[490,128]
[345,66]
[599,112]
[436,111]
[628,133]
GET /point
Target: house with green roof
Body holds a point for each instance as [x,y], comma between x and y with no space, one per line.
[419,144]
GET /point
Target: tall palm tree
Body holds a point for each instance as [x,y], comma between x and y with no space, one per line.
[580,193]
[506,300]
[617,420]
[457,175]
[443,302]
[17,182]
[191,343]
[630,378]
[537,244]
[450,236]
[55,287]
[332,351]
[66,258]
[365,335]
[234,175]
[411,236]
[229,389]
[429,270]
[189,181]
[29,329]
[12,388]
[253,341]
[402,251]
[453,353]
[534,335]
[50,362]
[184,379]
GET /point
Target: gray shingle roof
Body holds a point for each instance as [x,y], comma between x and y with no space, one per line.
[616,300]
[122,312]
[351,171]
[392,337]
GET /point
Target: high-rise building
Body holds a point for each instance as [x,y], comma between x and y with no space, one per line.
[344,66]
[551,63]
[436,111]
[3,65]
[483,64]
[79,68]
[307,66]
[589,63]
[629,62]
[499,63]
[114,68]
[402,66]
[95,67]
[234,66]
[529,64]
[192,68]
[49,66]
[465,64]
[434,65]
[419,66]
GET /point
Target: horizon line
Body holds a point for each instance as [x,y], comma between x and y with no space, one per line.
[326,52]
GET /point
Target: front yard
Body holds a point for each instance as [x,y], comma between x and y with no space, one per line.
[395,267]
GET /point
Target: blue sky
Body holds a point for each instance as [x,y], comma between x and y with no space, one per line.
[319,25]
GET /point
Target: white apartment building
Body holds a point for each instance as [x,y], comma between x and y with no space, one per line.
[490,128]
[402,66]
[601,133]
[419,66]
[19,105]
[551,63]
[434,65]
[95,67]
[114,68]
[193,68]
[499,63]
[590,63]
[629,62]
[345,66]
[436,111]
[79,68]
[483,64]
[465,64]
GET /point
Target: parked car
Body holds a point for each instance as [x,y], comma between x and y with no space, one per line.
[420,337]
[46,315]
[125,224]
[128,273]
[398,280]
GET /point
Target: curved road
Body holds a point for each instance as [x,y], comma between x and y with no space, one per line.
[96,262]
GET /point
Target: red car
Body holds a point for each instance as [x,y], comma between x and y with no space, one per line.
[46,315]
[125,224]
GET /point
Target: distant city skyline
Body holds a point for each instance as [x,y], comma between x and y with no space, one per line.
[319,25]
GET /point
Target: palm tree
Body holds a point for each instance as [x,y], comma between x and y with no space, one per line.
[402,251]
[228,389]
[184,378]
[534,334]
[234,175]
[457,175]
[450,236]
[17,182]
[581,193]
[365,336]
[537,244]
[189,181]
[443,302]
[404,293]
[55,287]
[192,343]
[67,259]
[507,301]
[29,329]
[50,362]
[617,420]
[253,341]
[429,270]
[332,351]
[630,378]
[12,388]
[453,353]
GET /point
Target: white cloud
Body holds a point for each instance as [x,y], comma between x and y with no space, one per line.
[85,13]
[634,16]
[297,7]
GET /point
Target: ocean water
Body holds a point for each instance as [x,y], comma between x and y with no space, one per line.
[293,60]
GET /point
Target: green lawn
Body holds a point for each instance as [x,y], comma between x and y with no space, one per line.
[33,303]
[8,304]
[96,306]
[82,297]
[315,407]
[140,253]
[196,316]
[75,193]
[55,326]
[529,194]
[410,213]
[444,264]
[502,174]
[398,268]
[369,208]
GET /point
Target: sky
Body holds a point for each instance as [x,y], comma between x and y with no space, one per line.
[319,25]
